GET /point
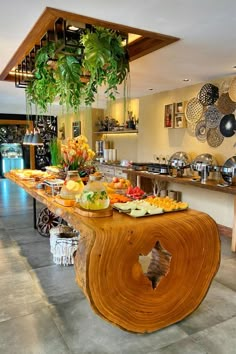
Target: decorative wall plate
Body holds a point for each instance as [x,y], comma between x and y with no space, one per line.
[232,90]
[214,137]
[224,87]
[225,104]
[193,110]
[208,94]
[191,127]
[212,117]
[201,130]
[228,125]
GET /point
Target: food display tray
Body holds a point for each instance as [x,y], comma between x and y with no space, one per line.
[127,212]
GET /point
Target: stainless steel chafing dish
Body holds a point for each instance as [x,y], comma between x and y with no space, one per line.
[178,162]
[228,170]
[204,164]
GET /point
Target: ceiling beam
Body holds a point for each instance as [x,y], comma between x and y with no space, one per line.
[147,43]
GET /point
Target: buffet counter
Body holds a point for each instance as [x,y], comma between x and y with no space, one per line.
[110,272]
[211,185]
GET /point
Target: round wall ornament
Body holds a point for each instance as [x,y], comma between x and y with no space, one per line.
[212,116]
[193,110]
[208,94]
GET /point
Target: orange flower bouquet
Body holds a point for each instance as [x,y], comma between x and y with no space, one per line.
[77,154]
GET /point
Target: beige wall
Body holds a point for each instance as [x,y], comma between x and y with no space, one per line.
[153,138]
[125,144]
[87,117]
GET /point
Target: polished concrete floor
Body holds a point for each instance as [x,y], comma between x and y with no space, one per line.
[42,310]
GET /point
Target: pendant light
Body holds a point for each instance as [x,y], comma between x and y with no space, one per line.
[26,137]
[33,137]
[37,140]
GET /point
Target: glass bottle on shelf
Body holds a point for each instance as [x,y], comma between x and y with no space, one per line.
[94,195]
[72,187]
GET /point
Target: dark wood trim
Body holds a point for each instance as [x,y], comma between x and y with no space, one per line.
[11,116]
[16,121]
[225,231]
[149,41]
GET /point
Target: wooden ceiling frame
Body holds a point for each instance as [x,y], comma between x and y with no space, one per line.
[147,43]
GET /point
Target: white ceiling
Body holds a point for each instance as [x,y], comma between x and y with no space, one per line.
[206,28]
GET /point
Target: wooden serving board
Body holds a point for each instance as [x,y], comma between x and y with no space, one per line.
[65,202]
[94,213]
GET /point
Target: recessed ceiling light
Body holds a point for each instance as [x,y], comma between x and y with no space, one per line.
[73,28]
[150,89]
[186,80]
[234,66]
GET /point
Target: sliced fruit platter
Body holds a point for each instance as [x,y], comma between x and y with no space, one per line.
[118,198]
[149,206]
[167,203]
[135,192]
[118,184]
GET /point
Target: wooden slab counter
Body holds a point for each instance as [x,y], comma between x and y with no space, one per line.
[185,250]
[211,185]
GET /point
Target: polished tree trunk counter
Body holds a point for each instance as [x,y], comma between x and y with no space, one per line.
[110,274]
[184,251]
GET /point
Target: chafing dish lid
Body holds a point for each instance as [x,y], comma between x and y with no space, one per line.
[205,159]
[229,165]
[179,159]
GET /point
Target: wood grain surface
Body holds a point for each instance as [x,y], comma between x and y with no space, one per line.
[108,270]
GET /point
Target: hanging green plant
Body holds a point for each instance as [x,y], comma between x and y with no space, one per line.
[69,85]
[57,75]
[106,59]
[42,89]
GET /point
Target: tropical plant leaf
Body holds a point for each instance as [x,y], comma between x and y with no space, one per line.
[58,74]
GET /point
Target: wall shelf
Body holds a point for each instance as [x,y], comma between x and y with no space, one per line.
[127,131]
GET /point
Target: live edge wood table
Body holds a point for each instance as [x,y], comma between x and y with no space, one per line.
[185,257]
[211,185]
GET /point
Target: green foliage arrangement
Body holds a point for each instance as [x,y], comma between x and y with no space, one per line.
[55,151]
[42,89]
[57,75]
[106,60]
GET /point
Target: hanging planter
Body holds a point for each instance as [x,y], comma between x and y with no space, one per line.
[106,59]
[75,76]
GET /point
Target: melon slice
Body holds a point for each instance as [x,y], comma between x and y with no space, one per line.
[154,211]
[138,212]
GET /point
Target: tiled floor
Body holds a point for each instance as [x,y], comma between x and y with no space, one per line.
[42,310]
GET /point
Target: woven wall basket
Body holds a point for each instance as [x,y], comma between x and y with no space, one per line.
[212,116]
[224,87]
[201,130]
[191,128]
[214,137]
[193,110]
[232,90]
[208,94]
[225,104]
